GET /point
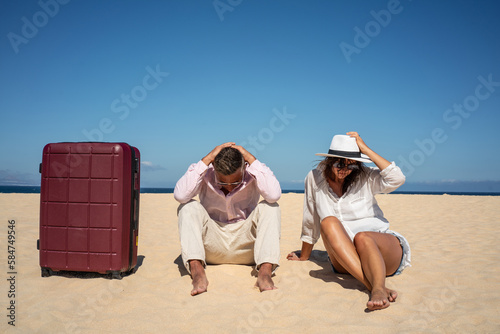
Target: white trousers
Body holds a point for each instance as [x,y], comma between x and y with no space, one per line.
[255,240]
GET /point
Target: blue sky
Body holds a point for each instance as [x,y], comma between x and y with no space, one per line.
[419,80]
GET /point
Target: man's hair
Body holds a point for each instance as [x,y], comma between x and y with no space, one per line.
[228,161]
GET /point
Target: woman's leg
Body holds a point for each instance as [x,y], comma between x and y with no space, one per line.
[341,249]
[380,254]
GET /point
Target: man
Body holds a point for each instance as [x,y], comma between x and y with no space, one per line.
[228,224]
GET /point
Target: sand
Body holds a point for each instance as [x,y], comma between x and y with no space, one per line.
[452,286]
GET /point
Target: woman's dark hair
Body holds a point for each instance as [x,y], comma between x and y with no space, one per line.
[228,161]
[326,166]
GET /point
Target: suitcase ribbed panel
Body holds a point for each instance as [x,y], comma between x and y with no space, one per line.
[85,207]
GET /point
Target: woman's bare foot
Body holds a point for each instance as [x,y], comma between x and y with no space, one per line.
[392,295]
[264,280]
[381,298]
[200,281]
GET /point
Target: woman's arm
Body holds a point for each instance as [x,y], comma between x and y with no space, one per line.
[389,177]
[377,159]
[310,222]
[303,255]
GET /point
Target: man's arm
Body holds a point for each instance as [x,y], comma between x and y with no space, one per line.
[189,184]
[209,158]
[249,158]
[267,183]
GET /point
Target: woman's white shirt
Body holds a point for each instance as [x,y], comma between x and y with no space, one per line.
[357,209]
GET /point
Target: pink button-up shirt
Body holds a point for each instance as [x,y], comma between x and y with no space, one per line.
[199,179]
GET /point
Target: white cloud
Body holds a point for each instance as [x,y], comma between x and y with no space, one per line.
[13,178]
[148,166]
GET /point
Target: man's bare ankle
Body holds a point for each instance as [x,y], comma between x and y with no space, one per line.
[195,264]
[266,268]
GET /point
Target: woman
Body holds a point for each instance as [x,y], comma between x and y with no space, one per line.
[339,204]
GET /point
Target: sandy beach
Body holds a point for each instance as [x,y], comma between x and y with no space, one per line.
[453,284]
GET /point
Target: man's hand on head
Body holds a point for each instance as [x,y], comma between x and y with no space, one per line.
[209,158]
[249,158]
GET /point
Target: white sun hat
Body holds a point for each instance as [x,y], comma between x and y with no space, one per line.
[343,146]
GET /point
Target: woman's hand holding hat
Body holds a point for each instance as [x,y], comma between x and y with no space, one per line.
[363,148]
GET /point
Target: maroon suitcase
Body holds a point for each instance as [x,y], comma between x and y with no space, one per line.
[89,208]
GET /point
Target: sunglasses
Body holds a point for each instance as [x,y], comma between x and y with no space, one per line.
[232,183]
[341,165]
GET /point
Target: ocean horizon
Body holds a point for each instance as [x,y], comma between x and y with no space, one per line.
[159,190]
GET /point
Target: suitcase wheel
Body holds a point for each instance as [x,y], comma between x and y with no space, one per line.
[115,275]
[47,272]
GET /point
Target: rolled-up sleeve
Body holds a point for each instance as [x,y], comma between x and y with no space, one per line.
[189,184]
[386,180]
[267,183]
[311,227]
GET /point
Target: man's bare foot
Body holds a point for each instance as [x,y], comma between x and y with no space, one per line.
[264,280]
[381,299]
[200,282]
